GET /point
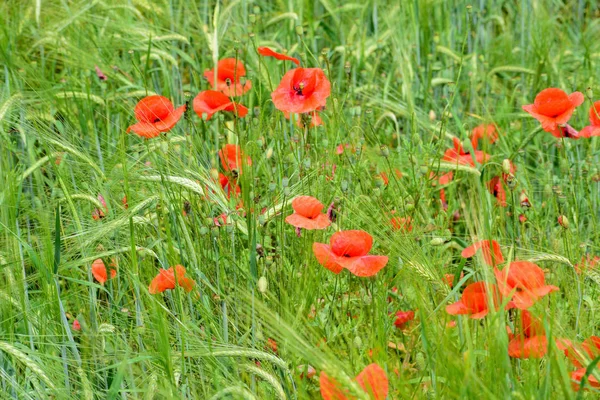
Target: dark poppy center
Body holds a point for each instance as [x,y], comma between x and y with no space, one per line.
[298,89]
[155,120]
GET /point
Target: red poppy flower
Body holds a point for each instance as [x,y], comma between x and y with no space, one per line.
[587,263]
[210,102]
[524,281]
[99,213]
[578,375]
[302,90]
[229,77]
[155,114]
[449,278]
[99,271]
[402,224]
[581,354]
[532,347]
[349,249]
[228,186]
[307,214]
[372,380]
[166,279]
[458,155]
[76,325]
[486,132]
[474,300]
[232,158]
[496,188]
[594,128]
[492,255]
[267,52]
[402,317]
[553,107]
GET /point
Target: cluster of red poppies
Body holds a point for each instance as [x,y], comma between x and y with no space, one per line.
[303,92]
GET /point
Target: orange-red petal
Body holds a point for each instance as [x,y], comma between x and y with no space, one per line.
[374,382]
[326,257]
[352,243]
[267,52]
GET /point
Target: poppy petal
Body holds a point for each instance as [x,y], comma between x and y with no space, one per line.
[363,266]
[374,381]
[267,52]
[326,257]
[457,308]
[171,120]
[144,129]
[352,243]
[330,389]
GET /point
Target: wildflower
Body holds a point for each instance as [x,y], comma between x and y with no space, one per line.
[267,52]
[496,188]
[484,131]
[490,249]
[155,114]
[474,300]
[578,375]
[587,263]
[533,347]
[99,271]
[166,279]
[457,155]
[210,102]
[349,249]
[307,214]
[309,369]
[449,278]
[372,380]
[524,281]
[582,354]
[228,186]
[229,74]
[563,221]
[100,74]
[553,107]
[232,158]
[76,325]
[99,213]
[302,90]
[402,224]
[402,317]
[272,345]
[594,128]
[124,202]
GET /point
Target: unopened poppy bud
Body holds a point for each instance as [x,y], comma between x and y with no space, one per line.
[287,192]
[506,166]
[299,30]
[347,68]
[262,284]
[432,115]
[269,153]
[214,174]
[203,230]
[272,186]
[438,241]
[358,342]
[307,163]
[379,182]
[563,221]
[252,18]
[285,182]
[420,360]
[589,93]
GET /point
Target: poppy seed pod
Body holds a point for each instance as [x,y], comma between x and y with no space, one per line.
[589,93]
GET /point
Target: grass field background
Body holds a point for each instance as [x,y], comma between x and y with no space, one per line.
[406,76]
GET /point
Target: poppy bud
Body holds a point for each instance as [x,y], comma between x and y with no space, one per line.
[263,284]
[344,186]
[506,164]
[252,18]
[438,241]
[272,186]
[203,230]
[214,174]
[358,342]
[287,191]
[432,115]
[589,93]
[269,153]
[524,200]
[347,68]
[563,221]
[299,30]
